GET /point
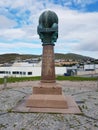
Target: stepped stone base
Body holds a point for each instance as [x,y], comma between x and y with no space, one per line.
[71,109]
[46,101]
[48,97]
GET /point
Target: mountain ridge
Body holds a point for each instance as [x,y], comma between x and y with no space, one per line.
[11,57]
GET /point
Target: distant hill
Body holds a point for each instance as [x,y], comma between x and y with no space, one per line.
[72,56]
[7,58]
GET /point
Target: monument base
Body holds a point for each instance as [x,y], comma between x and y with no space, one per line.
[71,109]
[47,88]
[47,95]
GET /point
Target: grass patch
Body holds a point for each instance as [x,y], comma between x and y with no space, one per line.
[1,80]
[75,78]
[19,79]
[70,78]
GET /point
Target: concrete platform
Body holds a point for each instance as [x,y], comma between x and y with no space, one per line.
[71,109]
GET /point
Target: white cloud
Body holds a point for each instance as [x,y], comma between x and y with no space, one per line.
[83,3]
[11,34]
[82,27]
[19,45]
[26,33]
[6,22]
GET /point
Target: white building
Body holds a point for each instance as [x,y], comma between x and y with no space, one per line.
[90,67]
[24,69]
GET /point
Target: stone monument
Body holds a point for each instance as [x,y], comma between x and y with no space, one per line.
[48,32]
[47,94]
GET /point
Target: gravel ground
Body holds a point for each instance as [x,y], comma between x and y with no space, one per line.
[85,94]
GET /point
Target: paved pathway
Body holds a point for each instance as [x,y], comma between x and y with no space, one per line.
[85,93]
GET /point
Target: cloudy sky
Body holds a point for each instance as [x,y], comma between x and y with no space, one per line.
[78,26]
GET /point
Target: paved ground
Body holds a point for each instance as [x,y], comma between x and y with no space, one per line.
[84,93]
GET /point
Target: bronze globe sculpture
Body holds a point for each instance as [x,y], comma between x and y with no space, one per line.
[48,27]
